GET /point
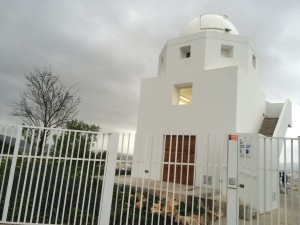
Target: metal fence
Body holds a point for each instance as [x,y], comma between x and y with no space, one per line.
[50,176]
[57,176]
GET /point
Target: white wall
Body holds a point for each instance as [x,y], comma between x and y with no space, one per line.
[273,110]
[250,104]
[213,108]
[285,120]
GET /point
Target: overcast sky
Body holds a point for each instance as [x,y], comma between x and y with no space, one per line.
[108,47]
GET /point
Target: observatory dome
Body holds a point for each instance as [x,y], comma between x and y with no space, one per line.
[210,22]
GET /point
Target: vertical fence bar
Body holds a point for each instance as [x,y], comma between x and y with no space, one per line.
[168,177]
[92,177]
[245,172]
[251,180]
[129,193]
[284,183]
[232,195]
[278,186]
[155,183]
[181,169]
[139,162]
[31,178]
[135,193]
[125,177]
[214,181]
[292,182]
[206,178]
[174,178]
[198,150]
[271,178]
[38,175]
[11,173]
[6,163]
[56,174]
[299,178]
[45,174]
[258,179]
[26,176]
[162,173]
[20,172]
[64,161]
[265,182]
[143,180]
[80,180]
[69,172]
[3,145]
[74,180]
[119,162]
[108,183]
[194,179]
[99,173]
[149,177]
[187,175]
[50,178]
[87,148]
[221,178]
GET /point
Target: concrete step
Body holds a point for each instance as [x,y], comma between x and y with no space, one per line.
[268,126]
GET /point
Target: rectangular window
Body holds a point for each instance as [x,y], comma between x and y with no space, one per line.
[185,52]
[183,94]
[227,51]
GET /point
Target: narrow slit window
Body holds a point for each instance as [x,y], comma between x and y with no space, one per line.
[162,63]
[254,61]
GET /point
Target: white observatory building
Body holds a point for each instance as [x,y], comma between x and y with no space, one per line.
[207,83]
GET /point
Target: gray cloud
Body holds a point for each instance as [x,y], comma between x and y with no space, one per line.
[106,48]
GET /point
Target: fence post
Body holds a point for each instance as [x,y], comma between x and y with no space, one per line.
[12,174]
[232,183]
[108,180]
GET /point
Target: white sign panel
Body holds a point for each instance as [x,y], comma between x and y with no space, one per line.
[245,148]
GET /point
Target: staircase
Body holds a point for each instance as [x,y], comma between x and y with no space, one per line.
[268,126]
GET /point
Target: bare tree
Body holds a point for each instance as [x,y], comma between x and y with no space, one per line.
[46,101]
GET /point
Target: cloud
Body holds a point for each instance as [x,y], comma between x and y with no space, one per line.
[108,47]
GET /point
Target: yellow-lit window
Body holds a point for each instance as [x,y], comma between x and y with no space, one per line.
[183,94]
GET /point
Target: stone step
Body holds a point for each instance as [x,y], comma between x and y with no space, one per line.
[268,126]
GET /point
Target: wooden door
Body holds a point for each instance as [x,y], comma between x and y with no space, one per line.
[179,158]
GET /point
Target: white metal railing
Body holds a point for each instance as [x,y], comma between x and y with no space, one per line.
[268,180]
[49,176]
[58,176]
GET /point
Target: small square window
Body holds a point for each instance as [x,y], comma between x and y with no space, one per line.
[185,52]
[183,94]
[254,61]
[227,51]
